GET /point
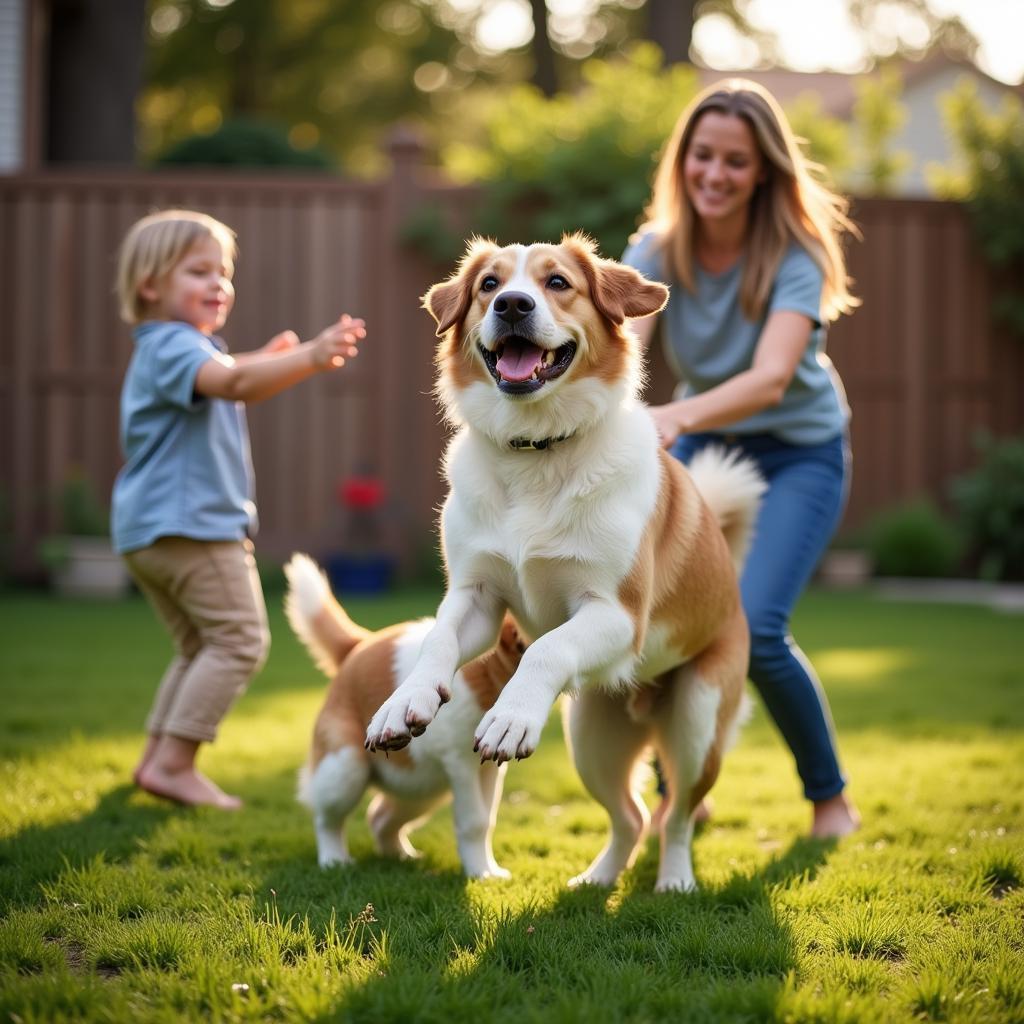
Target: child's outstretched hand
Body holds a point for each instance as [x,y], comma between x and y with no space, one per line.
[333,345]
[283,342]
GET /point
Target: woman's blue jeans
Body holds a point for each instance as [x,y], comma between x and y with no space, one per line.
[807,489]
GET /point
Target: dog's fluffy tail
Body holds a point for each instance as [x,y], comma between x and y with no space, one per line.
[315,615]
[732,486]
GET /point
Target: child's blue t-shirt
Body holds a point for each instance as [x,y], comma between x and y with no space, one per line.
[708,340]
[188,465]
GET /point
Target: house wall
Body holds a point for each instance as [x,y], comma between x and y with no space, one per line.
[12,84]
[925,134]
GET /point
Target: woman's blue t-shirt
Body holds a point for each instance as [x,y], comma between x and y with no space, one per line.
[188,465]
[708,340]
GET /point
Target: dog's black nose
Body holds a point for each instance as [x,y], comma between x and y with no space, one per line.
[514,306]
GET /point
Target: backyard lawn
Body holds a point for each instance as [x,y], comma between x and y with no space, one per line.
[119,907]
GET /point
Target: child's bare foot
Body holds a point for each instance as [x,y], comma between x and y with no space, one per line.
[147,756]
[834,818]
[186,786]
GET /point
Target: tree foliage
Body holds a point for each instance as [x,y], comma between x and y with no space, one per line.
[879,115]
[826,138]
[574,161]
[334,73]
[886,28]
[337,74]
[990,177]
[581,160]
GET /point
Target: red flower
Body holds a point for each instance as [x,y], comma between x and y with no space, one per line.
[364,492]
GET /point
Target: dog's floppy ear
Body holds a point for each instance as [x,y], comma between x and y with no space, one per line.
[448,302]
[618,291]
[622,292]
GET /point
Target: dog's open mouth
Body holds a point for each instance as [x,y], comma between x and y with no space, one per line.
[520,367]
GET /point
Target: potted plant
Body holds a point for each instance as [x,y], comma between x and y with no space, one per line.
[844,566]
[80,558]
[362,566]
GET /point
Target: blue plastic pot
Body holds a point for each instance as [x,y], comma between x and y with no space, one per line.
[360,574]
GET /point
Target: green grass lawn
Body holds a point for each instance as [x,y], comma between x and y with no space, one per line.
[118,907]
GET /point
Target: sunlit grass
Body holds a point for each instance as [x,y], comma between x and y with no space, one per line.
[118,907]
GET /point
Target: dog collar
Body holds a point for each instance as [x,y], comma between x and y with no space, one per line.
[521,444]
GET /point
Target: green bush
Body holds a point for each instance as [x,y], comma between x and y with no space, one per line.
[913,540]
[574,161]
[245,142]
[991,180]
[581,160]
[990,501]
[80,511]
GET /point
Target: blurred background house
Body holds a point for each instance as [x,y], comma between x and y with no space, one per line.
[920,87]
[354,147]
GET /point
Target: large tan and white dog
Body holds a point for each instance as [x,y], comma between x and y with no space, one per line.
[366,667]
[564,509]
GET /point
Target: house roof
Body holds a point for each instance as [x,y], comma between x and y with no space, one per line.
[837,89]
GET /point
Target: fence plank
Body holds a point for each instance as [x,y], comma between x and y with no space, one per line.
[924,365]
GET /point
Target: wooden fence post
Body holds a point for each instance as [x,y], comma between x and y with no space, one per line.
[393,336]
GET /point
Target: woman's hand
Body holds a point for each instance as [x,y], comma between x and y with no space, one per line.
[667,423]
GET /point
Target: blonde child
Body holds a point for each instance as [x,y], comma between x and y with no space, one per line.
[183,512]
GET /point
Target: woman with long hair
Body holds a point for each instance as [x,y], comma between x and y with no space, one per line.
[749,241]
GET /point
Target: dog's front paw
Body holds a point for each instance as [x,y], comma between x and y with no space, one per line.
[509,733]
[598,879]
[497,872]
[675,884]
[406,713]
[333,859]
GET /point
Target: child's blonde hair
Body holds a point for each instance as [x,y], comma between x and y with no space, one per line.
[155,245]
[790,205]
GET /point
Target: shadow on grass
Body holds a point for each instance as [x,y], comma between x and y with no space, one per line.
[113,830]
[592,952]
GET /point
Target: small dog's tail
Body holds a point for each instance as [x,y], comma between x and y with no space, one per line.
[315,615]
[732,486]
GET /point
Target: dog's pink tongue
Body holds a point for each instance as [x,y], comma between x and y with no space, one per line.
[518,360]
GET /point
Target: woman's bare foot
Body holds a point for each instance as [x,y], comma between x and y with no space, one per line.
[170,772]
[834,818]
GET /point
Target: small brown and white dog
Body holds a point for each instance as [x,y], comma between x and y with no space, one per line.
[366,668]
[564,509]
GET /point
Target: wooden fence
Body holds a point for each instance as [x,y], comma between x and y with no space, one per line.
[924,364]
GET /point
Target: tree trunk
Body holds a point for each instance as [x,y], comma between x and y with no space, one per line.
[670,25]
[94,74]
[544,76]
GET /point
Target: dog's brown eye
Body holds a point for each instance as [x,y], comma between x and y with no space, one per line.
[558,282]
[489,283]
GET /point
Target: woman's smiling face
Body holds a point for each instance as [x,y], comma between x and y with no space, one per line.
[722,167]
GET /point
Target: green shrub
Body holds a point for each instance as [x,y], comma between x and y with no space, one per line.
[80,511]
[990,501]
[245,142]
[991,180]
[574,161]
[578,161]
[913,540]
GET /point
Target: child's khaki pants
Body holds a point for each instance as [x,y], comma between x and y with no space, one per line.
[208,595]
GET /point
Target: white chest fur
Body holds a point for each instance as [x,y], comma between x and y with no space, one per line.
[549,529]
